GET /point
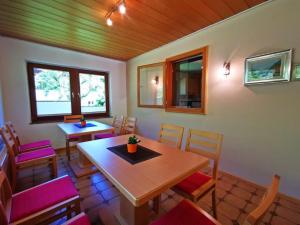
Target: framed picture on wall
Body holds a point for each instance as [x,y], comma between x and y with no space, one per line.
[275,67]
[296,72]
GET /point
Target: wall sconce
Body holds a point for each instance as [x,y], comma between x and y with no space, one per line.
[155,80]
[226,68]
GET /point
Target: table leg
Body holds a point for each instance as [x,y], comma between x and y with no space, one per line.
[68,149]
[131,215]
[82,166]
[83,161]
[156,204]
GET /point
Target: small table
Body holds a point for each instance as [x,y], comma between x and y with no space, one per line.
[142,181]
[82,166]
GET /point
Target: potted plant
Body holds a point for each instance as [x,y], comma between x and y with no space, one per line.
[83,122]
[132,144]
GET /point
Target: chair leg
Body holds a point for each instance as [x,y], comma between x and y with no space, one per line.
[54,167]
[77,207]
[156,204]
[68,149]
[214,203]
[14,179]
[69,212]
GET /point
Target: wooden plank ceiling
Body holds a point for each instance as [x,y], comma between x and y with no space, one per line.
[80,24]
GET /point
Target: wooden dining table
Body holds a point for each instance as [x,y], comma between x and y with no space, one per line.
[143,181]
[82,166]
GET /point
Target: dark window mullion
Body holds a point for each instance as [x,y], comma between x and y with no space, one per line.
[107,93]
[75,92]
[32,95]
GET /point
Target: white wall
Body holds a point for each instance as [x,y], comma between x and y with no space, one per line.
[15,53]
[260,123]
[1,103]
[2,152]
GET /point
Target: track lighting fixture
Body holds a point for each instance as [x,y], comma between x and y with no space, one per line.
[120,6]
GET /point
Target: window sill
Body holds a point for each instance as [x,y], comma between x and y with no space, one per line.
[44,121]
[186,110]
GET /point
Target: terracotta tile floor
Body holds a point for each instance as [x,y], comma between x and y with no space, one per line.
[236,197]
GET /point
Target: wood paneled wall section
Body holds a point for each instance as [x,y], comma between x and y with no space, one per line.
[80,24]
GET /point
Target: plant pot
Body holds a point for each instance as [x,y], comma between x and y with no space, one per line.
[131,148]
[83,123]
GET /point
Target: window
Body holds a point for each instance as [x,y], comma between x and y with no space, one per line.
[57,91]
[186,82]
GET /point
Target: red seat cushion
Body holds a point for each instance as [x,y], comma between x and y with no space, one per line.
[183,214]
[102,136]
[35,145]
[41,197]
[36,154]
[193,182]
[81,219]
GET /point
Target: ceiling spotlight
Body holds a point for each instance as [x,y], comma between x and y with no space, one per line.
[122,8]
[109,22]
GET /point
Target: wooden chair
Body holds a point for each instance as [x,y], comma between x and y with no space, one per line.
[41,204]
[194,187]
[117,123]
[186,212]
[129,126]
[256,216]
[171,134]
[18,161]
[80,219]
[71,119]
[28,146]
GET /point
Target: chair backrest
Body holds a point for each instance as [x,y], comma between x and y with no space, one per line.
[8,140]
[207,144]
[9,125]
[171,134]
[5,198]
[72,118]
[11,149]
[257,214]
[129,126]
[118,122]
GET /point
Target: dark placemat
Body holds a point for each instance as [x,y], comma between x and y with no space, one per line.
[87,125]
[142,153]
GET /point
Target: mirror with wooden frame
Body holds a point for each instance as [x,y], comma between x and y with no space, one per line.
[150,85]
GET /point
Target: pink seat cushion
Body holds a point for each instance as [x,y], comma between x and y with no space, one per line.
[35,145]
[102,136]
[193,182]
[81,219]
[41,197]
[74,137]
[183,214]
[36,154]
